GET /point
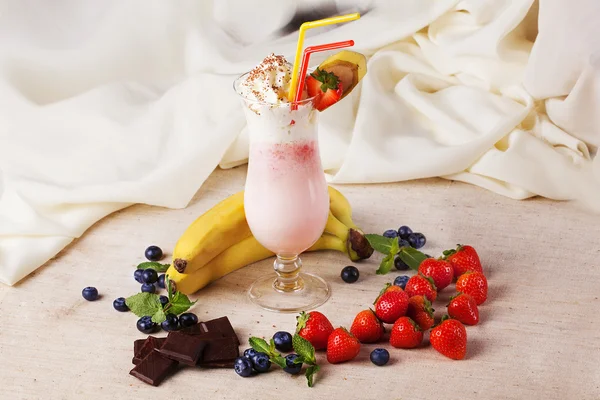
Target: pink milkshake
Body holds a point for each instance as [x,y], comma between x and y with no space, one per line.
[286,199]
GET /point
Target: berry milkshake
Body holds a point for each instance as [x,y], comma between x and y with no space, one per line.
[286,199]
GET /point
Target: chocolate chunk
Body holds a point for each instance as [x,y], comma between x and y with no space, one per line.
[154,368]
[187,349]
[220,352]
[195,329]
[146,347]
[137,345]
[221,325]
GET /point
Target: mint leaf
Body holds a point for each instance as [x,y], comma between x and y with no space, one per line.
[412,257]
[388,261]
[143,304]
[259,344]
[299,360]
[380,243]
[304,349]
[386,265]
[279,360]
[262,346]
[158,267]
[159,316]
[179,303]
[310,372]
[169,287]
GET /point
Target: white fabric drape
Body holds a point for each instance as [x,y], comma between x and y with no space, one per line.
[104,104]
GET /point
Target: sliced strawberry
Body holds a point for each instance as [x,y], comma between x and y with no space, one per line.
[325,87]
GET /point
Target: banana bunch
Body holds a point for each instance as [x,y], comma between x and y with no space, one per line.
[220,241]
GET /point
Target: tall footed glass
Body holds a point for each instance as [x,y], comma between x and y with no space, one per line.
[286,200]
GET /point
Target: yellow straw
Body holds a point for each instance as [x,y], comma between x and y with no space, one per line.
[303,28]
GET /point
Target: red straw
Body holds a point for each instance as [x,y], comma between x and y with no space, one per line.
[306,57]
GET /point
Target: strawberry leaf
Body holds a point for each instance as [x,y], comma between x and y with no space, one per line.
[301,319]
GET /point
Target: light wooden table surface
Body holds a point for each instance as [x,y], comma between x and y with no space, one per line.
[539,336]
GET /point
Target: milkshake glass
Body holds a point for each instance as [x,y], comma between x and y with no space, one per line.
[286,199]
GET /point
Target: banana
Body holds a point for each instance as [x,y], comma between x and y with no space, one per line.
[340,207]
[222,228]
[349,66]
[241,254]
[210,234]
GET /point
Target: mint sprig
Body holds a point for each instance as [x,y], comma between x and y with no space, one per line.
[158,267]
[391,248]
[262,346]
[148,304]
[306,355]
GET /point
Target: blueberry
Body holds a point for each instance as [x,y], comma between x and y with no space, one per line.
[242,367]
[350,274]
[403,243]
[153,253]
[163,300]
[390,233]
[145,325]
[291,367]
[161,281]
[148,288]
[283,341]
[187,319]
[149,276]
[137,275]
[171,323]
[417,240]
[249,353]
[400,265]
[404,231]
[90,293]
[261,362]
[119,304]
[380,357]
[401,281]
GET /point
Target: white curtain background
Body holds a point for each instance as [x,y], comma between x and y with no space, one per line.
[104,104]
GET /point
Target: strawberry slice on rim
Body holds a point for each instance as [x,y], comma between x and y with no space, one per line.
[325,87]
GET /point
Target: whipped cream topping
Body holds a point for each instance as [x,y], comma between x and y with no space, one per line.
[269,81]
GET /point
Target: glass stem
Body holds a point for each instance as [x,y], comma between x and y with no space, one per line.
[288,268]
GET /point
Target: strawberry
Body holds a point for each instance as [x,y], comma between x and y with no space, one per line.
[474,284]
[325,87]
[449,338]
[406,334]
[439,270]
[463,259]
[463,308]
[391,304]
[366,327]
[420,311]
[342,346]
[419,284]
[314,327]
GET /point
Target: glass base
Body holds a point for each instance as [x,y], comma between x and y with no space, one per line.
[311,291]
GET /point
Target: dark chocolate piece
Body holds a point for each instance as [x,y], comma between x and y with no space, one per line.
[195,329]
[187,349]
[137,345]
[221,325]
[148,344]
[220,352]
[154,368]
